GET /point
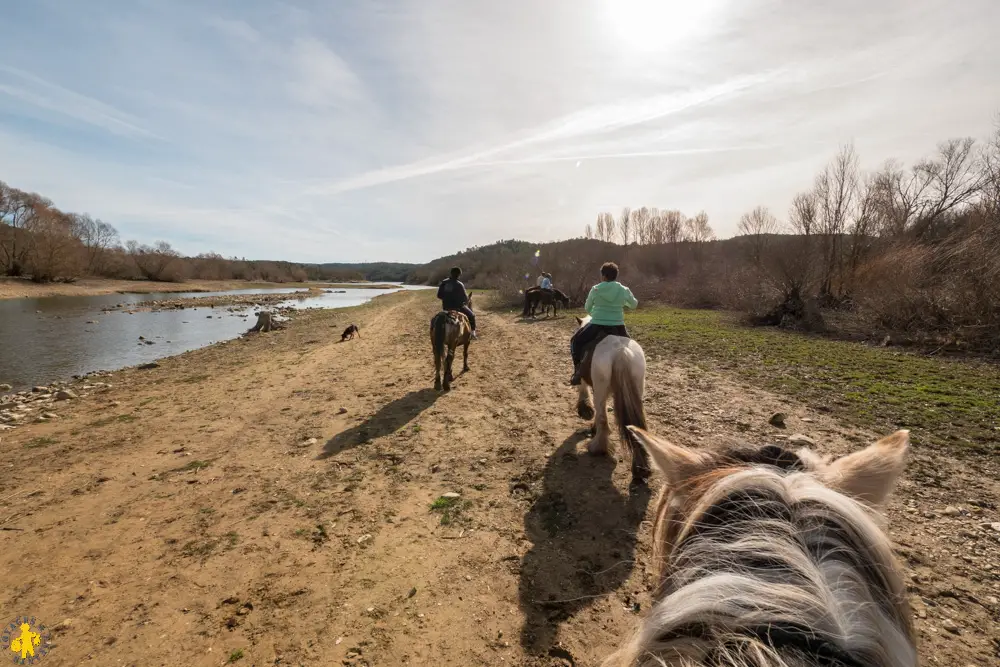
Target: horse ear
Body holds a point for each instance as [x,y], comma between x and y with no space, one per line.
[871,474]
[675,462]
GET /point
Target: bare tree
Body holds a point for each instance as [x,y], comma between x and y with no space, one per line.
[673,226]
[55,250]
[804,214]
[835,191]
[759,225]
[98,238]
[18,209]
[157,262]
[625,225]
[588,231]
[640,225]
[697,229]
[948,181]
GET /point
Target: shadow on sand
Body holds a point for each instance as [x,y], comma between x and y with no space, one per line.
[584,534]
[389,419]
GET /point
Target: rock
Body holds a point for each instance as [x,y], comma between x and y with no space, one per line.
[5,387]
[150,342]
[777,419]
[951,510]
[364,538]
[308,443]
[451,494]
[995,526]
[342,411]
[799,439]
[142,338]
[151,364]
[65,395]
[950,626]
[40,390]
[807,420]
[49,415]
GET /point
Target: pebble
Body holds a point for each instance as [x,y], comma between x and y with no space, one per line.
[65,395]
[777,419]
[951,510]
[799,439]
[49,415]
[451,494]
[5,387]
[995,526]
[364,538]
[342,411]
[309,443]
[950,626]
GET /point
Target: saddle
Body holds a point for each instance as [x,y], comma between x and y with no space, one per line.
[588,352]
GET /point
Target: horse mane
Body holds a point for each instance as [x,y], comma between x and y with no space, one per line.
[762,565]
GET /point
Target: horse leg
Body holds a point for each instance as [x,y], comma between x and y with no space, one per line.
[601,441]
[584,408]
[448,377]
[465,355]
[437,370]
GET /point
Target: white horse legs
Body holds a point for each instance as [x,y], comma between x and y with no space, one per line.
[601,441]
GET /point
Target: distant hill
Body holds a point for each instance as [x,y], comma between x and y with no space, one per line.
[374,271]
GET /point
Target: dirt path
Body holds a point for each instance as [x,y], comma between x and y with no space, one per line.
[269,502]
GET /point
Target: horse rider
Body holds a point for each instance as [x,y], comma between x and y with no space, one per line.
[541,277]
[546,281]
[606,304]
[453,297]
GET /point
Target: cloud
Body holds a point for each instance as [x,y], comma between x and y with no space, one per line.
[41,94]
[404,130]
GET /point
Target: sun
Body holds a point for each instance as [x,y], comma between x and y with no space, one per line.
[653,26]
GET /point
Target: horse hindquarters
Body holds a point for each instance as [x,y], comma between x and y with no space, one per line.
[628,377]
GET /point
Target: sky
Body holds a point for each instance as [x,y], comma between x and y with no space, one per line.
[403,130]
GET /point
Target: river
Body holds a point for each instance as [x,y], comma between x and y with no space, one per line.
[54,338]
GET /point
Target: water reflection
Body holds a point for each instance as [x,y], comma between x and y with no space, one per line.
[53,338]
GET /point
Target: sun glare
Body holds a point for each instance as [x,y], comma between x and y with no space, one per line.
[653,26]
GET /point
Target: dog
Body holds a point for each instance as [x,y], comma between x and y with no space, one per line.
[349,333]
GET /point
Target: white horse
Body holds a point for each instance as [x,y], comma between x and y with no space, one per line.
[618,368]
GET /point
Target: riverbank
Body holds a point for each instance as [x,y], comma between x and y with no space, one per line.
[16,288]
[282,499]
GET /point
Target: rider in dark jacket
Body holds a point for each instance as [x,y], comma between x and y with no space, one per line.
[453,297]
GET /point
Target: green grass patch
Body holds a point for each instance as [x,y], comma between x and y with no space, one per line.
[943,401]
[37,443]
[113,419]
[236,655]
[450,509]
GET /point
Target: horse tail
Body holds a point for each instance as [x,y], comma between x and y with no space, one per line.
[627,389]
[440,328]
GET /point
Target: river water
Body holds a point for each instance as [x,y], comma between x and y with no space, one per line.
[54,338]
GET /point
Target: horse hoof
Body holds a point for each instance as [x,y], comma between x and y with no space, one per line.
[437,385]
[447,387]
[597,448]
[585,411]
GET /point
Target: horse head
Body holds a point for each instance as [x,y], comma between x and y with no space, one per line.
[793,536]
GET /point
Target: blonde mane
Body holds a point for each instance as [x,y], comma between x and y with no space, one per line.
[774,560]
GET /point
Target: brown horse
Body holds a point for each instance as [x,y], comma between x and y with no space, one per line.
[449,329]
[537,296]
[768,557]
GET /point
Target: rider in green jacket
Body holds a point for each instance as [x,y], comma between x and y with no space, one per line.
[606,304]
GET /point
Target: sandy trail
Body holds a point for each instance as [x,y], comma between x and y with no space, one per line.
[186,514]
